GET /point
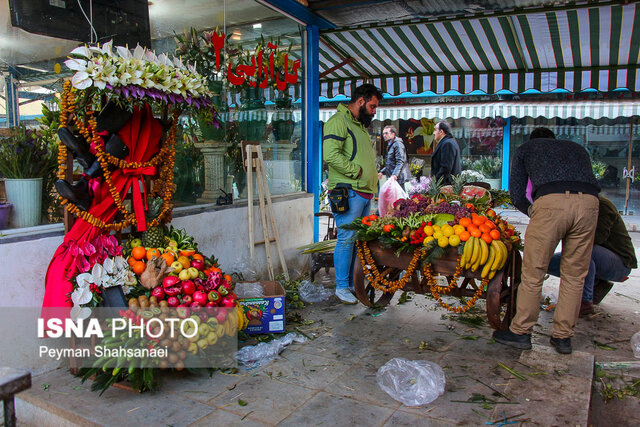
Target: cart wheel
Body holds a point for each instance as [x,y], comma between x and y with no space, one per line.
[501,294]
[366,293]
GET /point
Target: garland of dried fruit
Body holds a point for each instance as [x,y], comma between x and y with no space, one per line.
[438,291]
[165,157]
[373,275]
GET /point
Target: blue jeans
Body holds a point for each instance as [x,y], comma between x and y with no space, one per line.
[604,265]
[344,254]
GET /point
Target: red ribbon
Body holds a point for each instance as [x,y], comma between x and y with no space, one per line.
[139,203]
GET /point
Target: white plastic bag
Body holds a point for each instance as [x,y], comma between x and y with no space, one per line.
[264,352]
[311,293]
[389,193]
[635,345]
[412,382]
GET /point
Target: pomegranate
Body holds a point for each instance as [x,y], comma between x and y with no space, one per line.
[188,287]
[158,292]
[200,298]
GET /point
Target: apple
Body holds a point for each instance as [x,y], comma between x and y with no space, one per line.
[200,298]
[195,307]
[184,275]
[135,243]
[183,311]
[198,264]
[158,292]
[170,281]
[193,273]
[228,301]
[187,300]
[188,287]
[177,267]
[173,302]
[211,304]
[221,316]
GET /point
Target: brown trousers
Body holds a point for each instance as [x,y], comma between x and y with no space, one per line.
[572,219]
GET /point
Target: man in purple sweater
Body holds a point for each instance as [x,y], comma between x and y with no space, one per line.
[564,208]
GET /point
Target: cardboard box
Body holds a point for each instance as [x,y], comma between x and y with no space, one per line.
[265,314]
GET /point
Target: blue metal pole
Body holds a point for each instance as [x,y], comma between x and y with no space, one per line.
[312,118]
[506,147]
[12,102]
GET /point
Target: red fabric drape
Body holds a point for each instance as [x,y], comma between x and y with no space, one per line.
[142,135]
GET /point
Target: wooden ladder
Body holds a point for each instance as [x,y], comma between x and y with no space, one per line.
[255,162]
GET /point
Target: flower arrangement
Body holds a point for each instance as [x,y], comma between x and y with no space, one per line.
[101,266]
[489,166]
[137,77]
[27,153]
[472,176]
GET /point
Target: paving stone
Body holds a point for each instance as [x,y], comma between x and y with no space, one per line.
[67,394]
[333,345]
[200,387]
[400,418]
[224,418]
[359,383]
[267,399]
[306,370]
[326,409]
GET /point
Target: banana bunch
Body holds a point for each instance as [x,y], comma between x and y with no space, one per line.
[478,253]
[243,322]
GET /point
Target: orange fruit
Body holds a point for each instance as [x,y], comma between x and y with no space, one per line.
[168,258]
[131,260]
[198,256]
[139,267]
[483,228]
[471,227]
[186,263]
[187,252]
[478,220]
[475,232]
[464,236]
[215,270]
[487,238]
[153,252]
[227,278]
[464,222]
[495,234]
[138,252]
[490,224]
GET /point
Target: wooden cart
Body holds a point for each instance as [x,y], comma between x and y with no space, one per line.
[500,293]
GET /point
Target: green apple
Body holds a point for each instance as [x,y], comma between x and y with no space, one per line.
[193,272]
[184,275]
[135,243]
[177,267]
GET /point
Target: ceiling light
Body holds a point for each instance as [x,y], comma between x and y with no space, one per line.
[257,26]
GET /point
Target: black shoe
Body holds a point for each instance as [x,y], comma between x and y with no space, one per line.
[521,341]
[116,147]
[562,345]
[112,118]
[79,148]
[77,193]
[600,289]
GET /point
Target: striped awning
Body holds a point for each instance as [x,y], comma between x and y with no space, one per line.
[583,130]
[587,47]
[562,110]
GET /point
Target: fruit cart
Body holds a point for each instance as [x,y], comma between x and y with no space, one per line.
[500,292]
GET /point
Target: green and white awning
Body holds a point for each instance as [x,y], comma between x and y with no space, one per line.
[588,47]
[562,110]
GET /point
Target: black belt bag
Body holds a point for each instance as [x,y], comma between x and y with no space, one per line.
[339,198]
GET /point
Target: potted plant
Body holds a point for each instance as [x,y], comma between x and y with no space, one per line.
[27,157]
[490,167]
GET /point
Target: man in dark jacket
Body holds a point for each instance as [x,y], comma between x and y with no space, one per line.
[396,165]
[565,208]
[445,160]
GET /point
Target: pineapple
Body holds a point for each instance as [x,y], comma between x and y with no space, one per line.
[458,184]
[435,187]
[153,237]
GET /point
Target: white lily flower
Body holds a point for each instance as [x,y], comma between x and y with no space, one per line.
[81,296]
[139,52]
[107,48]
[81,51]
[119,262]
[81,80]
[84,280]
[76,64]
[78,312]
[150,56]
[100,84]
[108,266]
[123,52]
[97,272]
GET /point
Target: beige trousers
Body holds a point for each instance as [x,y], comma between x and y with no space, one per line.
[572,219]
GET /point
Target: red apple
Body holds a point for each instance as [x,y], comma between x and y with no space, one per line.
[195,307]
[173,301]
[183,311]
[198,264]
[228,301]
[211,304]
[188,287]
[187,300]
[200,298]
